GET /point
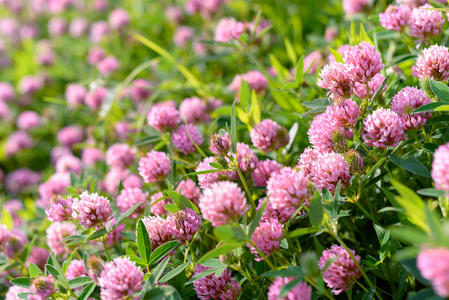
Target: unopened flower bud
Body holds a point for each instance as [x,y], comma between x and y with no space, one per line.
[95,266]
[219,144]
[354,160]
[339,141]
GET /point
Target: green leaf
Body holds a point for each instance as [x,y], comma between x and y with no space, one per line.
[380,89]
[429,107]
[253,225]
[243,116]
[369,295]
[316,210]
[353,38]
[96,234]
[410,266]
[161,251]
[182,202]
[24,282]
[136,259]
[216,165]
[66,263]
[230,233]
[24,295]
[143,242]
[162,293]
[27,249]
[317,103]
[300,71]
[220,250]
[173,208]
[203,172]
[254,113]
[206,273]
[336,54]
[412,203]
[411,164]
[427,294]
[57,267]
[49,269]
[157,272]
[245,93]
[233,133]
[291,271]
[34,270]
[301,232]
[174,272]
[430,192]
[87,291]
[159,50]
[291,53]
[440,90]
[442,108]
[126,215]
[364,36]
[289,286]
[79,281]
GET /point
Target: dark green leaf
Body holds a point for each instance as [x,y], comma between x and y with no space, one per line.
[182,202]
[316,210]
[174,272]
[430,192]
[66,263]
[162,293]
[125,215]
[410,266]
[24,282]
[205,273]
[96,234]
[34,270]
[427,294]
[79,281]
[230,234]
[289,286]
[157,273]
[143,242]
[291,271]
[429,107]
[85,293]
[410,164]
[219,251]
[317,103]
[161,251]
[253,225]
[440,90]
[301,232]
[369,295]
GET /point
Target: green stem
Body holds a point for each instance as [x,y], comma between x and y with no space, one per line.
[358,140]
[325,292]
[106,248]
[265,258]
[187,252]
[192,141]
[183,161]
[242,178]
[367,213]
[250,279]
[361,285]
